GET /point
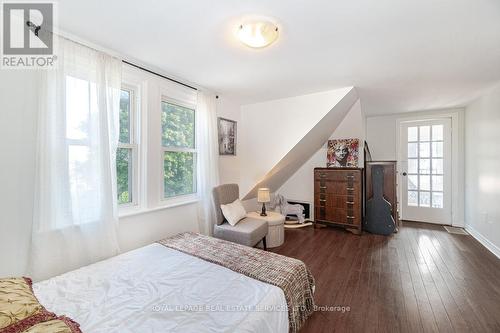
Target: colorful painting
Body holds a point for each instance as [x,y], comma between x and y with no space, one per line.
[342,153]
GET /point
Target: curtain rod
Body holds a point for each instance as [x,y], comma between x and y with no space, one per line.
[157,74]
[36,30]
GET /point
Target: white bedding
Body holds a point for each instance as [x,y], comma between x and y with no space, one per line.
[138,291]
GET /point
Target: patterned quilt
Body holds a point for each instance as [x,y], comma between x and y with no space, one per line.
[291,275]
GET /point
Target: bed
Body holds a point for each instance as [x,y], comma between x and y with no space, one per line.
[159,289]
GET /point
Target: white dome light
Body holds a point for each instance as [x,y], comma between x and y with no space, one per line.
[258,34]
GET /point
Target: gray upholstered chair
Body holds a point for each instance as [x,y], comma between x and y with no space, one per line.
[248,231]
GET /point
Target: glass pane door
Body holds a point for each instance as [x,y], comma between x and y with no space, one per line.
[425,158]
[425,166]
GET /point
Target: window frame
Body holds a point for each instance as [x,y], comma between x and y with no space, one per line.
[163,149]
[133,145]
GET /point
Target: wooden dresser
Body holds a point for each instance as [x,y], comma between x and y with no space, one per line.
[390,185]
[338,197]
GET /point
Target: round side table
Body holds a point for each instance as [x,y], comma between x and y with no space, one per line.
[276,234]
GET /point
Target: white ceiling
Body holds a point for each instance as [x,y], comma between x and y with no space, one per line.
[402,55]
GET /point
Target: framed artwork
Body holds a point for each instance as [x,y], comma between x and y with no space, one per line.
[342,153]
[227,136]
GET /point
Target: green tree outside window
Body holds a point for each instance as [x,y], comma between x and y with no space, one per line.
[178,140]
[124,155]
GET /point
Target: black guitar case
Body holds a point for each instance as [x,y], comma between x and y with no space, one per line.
[378,210]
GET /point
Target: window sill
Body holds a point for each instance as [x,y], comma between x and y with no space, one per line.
[139,211]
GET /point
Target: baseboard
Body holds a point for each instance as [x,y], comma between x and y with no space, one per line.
[483,240]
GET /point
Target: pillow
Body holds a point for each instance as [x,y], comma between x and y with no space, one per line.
[20,310]
[233,212]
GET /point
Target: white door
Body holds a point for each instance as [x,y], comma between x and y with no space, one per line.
[425,162]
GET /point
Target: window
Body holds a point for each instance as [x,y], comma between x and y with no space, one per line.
[179,150]
[126,155]
[81,115]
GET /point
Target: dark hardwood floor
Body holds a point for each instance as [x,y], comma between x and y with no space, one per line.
[421,279]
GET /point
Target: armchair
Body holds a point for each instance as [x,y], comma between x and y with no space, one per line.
[248,231]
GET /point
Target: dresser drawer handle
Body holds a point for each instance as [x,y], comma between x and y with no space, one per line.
[322,187]
[350,202]
[349,176]
[322,200]
[322,175]
[350,188]
[351,217]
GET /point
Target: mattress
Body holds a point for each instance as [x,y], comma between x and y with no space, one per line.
[158,289]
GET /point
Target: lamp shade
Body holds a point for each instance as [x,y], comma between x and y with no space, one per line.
[258,34]
[263,195]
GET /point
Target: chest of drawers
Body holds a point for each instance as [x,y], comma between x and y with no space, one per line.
[338,197]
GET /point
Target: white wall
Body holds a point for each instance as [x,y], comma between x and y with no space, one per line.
[271,129]
[145,228]
[482,177]
[301,185]
[381,132]
[229,166]
[381,137]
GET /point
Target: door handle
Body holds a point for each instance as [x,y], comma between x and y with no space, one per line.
[404,174]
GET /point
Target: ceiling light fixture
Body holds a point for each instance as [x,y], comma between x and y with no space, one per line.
[258,34]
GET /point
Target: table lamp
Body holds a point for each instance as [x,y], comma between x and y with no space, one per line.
[263,195]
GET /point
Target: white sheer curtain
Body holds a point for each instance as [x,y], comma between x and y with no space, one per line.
[208,159]
[75,208]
